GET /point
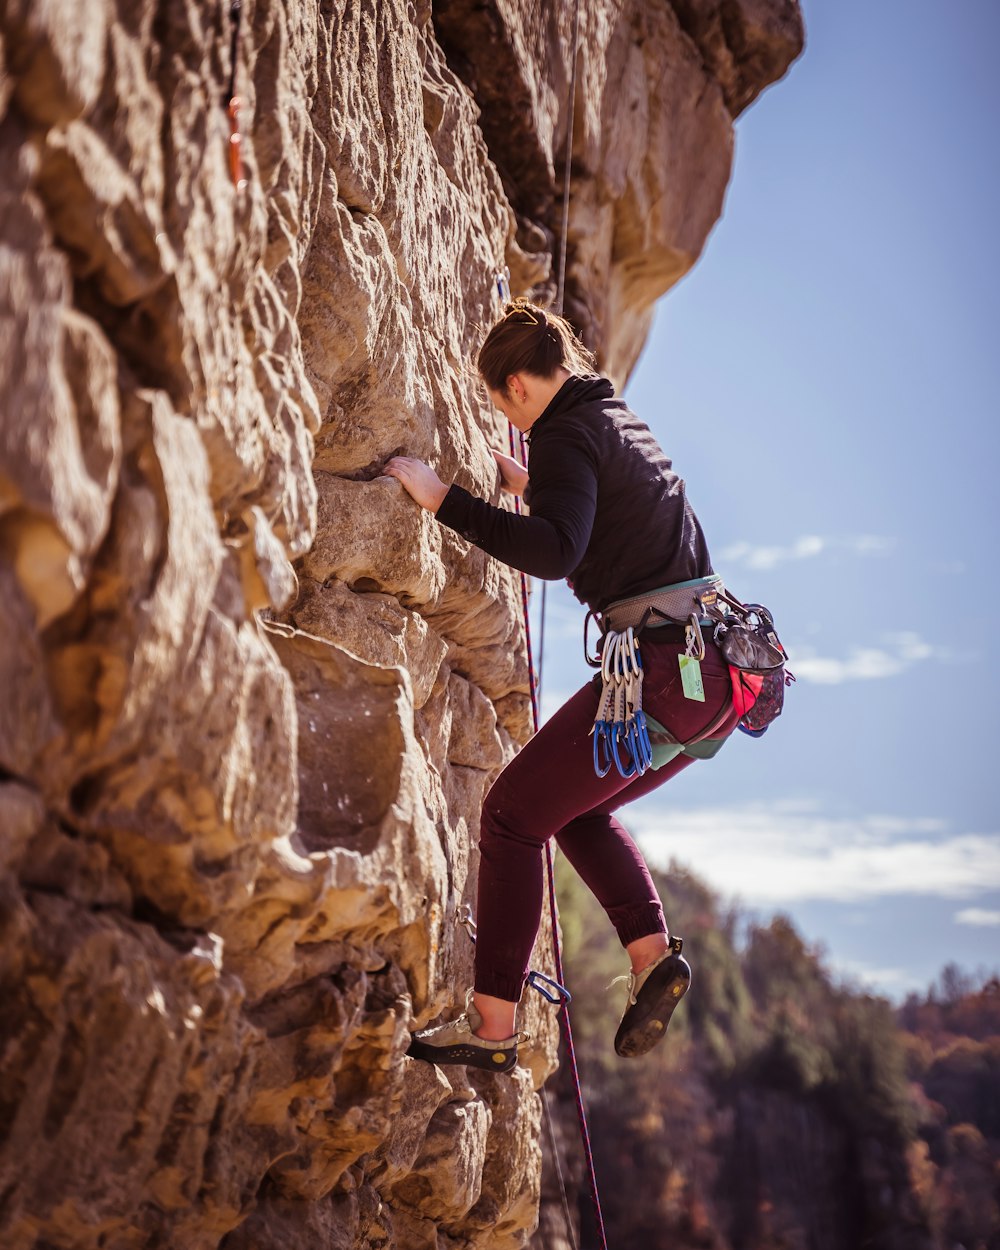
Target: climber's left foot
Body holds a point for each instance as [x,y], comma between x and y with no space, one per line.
[456,1042]
[653,994]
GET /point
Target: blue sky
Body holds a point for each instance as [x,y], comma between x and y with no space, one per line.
[826,379]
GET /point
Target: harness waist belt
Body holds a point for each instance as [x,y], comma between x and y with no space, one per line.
[667,604]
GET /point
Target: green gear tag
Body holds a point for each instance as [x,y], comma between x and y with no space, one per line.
[691,678]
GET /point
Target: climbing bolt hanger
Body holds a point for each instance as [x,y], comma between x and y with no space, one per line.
[232,101]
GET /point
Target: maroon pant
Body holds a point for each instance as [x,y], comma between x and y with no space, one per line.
[550,788]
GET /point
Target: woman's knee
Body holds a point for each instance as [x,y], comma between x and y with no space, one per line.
[506,816]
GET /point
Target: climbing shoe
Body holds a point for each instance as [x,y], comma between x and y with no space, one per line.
[456,1042]
[653,994]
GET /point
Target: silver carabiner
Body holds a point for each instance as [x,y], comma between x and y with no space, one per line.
[595,660]
[694,642]
[608,653]
[632,650]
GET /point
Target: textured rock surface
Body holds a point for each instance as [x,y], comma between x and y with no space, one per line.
[251,696]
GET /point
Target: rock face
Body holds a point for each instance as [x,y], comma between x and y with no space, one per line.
[251,697]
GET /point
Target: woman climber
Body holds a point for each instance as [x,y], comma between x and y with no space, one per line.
[607,512]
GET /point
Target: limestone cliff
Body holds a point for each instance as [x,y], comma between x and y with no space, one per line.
[250,696]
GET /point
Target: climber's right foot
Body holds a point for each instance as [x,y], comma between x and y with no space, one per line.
[653,994]
[455,1042]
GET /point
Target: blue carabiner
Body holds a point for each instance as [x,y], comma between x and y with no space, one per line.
[618,734]
[602,733]
[561,995]
[643,750]
[642,735]
[635,747]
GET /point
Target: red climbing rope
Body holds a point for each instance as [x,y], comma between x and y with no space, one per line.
[535,684]
[581,1110]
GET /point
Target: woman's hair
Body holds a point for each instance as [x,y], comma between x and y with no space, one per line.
[530,340]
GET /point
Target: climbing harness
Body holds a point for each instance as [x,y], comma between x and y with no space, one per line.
[621,729]
[674,604]
[744,633]
[232,101]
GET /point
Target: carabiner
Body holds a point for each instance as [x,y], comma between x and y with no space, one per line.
[619,734]
[639,743]
[561,995]
[595,660]
[694,642]
[642,733]
[631,650]
[602,733]
[609,656]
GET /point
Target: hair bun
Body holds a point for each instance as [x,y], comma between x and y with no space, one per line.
[528,339]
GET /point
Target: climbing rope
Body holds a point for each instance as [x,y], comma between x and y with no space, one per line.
[561,275]
[535,687]
[581,1110]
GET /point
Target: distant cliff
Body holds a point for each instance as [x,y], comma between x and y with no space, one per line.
[251,697]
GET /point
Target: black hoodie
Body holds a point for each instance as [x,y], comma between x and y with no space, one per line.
[607,510]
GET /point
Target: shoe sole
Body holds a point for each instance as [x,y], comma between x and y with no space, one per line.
[499,1060]
[645,1022]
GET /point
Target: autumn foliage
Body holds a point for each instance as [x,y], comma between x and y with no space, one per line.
[786,1111]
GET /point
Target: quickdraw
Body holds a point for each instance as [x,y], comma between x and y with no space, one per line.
[501,280]
[548,987]
[620,727]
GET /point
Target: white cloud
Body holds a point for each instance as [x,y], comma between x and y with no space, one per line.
[979,916]
[772,855]
[899,652]
[805,548]
[769,557]
[884,980]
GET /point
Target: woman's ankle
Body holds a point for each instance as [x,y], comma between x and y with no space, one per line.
[645,950]
[498,1017]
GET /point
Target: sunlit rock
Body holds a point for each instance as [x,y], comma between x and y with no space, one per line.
[251,697]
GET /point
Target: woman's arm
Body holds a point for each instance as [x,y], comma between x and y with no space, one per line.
[551,541]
